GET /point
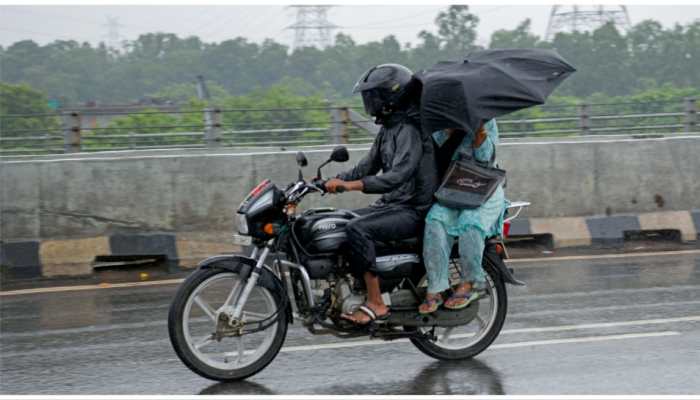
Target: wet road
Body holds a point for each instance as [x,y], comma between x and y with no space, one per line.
[615,325]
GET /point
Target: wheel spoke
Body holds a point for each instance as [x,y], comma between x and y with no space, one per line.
[206,308]
[241,350]
[234,292]
[259,316]
[205,340]
[480,321]
[445,337]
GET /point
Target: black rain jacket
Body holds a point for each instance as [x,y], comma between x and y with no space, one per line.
[406,160]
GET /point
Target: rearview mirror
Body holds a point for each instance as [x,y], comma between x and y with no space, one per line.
[301,160]
[340,154]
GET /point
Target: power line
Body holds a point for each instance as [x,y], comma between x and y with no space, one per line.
[53,35]
[68,17]
[396,27]
[223,19]
[375,23]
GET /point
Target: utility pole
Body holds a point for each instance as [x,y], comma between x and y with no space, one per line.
[212,116]
[312,27]
[585,18]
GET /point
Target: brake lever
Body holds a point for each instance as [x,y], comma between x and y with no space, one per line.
[320,185]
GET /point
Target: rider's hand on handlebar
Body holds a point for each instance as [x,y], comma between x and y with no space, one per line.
[335,185]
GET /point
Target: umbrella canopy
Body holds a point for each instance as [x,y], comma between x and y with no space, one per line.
[488,84]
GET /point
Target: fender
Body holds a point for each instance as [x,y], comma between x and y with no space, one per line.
[243,266]
[494,259]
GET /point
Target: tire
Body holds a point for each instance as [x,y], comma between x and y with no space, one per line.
[434,350]
[178,335]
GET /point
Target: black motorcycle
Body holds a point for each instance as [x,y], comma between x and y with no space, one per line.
[229,318]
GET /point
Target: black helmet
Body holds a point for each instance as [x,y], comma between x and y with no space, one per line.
[384,88]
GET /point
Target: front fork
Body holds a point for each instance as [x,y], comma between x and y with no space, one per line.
[232,310]
[250,284]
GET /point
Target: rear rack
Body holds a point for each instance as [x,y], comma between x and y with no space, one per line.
[518,205]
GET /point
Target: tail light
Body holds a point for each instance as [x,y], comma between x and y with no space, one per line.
[506,229]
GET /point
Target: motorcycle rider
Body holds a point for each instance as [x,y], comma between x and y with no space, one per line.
[390,94]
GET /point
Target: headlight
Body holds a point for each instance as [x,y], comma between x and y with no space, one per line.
[242,224]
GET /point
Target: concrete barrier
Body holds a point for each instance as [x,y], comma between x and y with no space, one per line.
[191,196]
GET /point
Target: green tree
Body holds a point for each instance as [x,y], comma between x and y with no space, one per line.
[613,63]
[24,100]
[518,38]
[457,30]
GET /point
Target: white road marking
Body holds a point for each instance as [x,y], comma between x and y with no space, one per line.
[90,287]
[603,256]
[548,312]
[585,339]
[349,343]
[603,292]
[560,328]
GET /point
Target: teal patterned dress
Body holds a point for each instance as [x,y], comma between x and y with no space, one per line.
[469,226]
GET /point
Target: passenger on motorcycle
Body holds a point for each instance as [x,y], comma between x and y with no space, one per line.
[470,226]
[407,182]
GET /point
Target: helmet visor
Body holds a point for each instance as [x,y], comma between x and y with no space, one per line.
[373,102]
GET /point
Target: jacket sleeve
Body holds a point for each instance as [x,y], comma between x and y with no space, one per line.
[370,164]
[407,156]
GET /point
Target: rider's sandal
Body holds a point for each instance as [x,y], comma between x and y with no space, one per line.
[370,313]
[460,301]
[430,305]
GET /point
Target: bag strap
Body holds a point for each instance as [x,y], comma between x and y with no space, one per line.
[473,158]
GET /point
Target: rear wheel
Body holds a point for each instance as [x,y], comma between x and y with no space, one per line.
[193,321]
[462,342]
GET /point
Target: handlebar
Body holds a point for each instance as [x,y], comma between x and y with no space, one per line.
[321,184]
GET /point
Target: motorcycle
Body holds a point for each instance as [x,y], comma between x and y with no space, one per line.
[229,318]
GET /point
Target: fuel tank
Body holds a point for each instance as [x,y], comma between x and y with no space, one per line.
[322,230]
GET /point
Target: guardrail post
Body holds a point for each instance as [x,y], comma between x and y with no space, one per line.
[691,115]
[130,140]
[340,118]
[212,127]
[71,132]
[584,119]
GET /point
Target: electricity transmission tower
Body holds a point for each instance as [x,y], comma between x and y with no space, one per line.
[578,18]
[113,37]
[312,28]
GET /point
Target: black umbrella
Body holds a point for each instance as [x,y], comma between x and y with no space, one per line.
[488,84]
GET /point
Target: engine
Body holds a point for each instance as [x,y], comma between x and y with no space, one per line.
[346,300]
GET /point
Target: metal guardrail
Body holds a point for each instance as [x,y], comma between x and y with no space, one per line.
[80,130]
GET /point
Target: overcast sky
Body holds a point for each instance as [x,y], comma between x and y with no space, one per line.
[216,23]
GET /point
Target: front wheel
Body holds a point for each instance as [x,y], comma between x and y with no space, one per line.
[192,324]
[462,342]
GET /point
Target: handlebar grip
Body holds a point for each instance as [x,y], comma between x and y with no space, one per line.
[321,184]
